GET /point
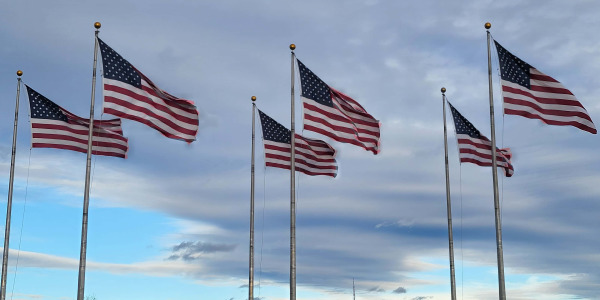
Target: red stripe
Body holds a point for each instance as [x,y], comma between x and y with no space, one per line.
[374,149]
[166,105]
[132,98]
[541,77]
[73,148]
[352,128]
[552,112]
[541,100]
[550,122]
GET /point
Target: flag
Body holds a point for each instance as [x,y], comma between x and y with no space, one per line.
[333,114]
[54,127]
[532,94]
[313,157]
[475,148]
[131,95]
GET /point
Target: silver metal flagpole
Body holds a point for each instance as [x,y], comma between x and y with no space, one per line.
[10,192]
[86,196]
[251,267]
[501,288]
[293,193]
[448,203]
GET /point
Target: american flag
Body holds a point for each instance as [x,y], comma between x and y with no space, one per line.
[313,157]
[131,95]
[475,148]
[532,94]
[333,114]
[54,127]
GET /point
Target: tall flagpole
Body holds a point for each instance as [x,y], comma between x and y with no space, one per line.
[10,192]
[448,203]
[251,251]
[293,193]
[86,196]
[501,288]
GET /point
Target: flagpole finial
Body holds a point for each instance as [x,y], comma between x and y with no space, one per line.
[443,90]
[97,25]
[19,73]
[253,98]
[488,25]
[292,47]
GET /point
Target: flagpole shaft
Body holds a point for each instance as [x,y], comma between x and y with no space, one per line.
[501,285]
[293,192]
[86,195]
[251,251]
[10,193]
[448,202]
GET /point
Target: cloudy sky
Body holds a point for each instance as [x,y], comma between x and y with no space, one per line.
[172,220]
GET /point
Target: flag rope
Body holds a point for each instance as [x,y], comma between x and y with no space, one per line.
[12,291]
[262,229]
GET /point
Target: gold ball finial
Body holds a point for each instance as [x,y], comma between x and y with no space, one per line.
[292,47]
[19,73]
[253,98]
[488,25]
[443,90]
[97,25]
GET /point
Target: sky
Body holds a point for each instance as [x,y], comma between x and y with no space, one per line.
[171,221]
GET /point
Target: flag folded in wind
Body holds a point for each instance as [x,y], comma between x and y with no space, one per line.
[475,148]
[333,114]
[131,95]
[313,157]
[54,127]
[532,94]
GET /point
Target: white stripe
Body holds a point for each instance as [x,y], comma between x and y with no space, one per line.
[152,120]
[140,104]
[549,117]
[299,154]
[82,146]
[143,93]
[83,137]
[539,94]
[341,134]
[337,112]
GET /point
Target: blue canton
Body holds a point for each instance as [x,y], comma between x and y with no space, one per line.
[313,87]
[274,131]
[117,68]
[512,68]
[462,125]
[42,108]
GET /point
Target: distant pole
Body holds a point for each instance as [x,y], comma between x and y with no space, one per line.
[353,290]
[251,267]
[293,193]
[86,195]
[501,288]
[448,203]
[10,192]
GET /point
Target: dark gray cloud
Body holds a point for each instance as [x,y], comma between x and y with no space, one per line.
[399,290]
[189,251]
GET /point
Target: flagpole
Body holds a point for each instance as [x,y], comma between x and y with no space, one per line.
[448,203]
[86,195]
[293,192]
[10,192]
[501,286]
[251,251]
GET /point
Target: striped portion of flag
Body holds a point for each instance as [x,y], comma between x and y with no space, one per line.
[532,94]
[475,148]
[54,127]
[334,114]
[312,157]
[131,95]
